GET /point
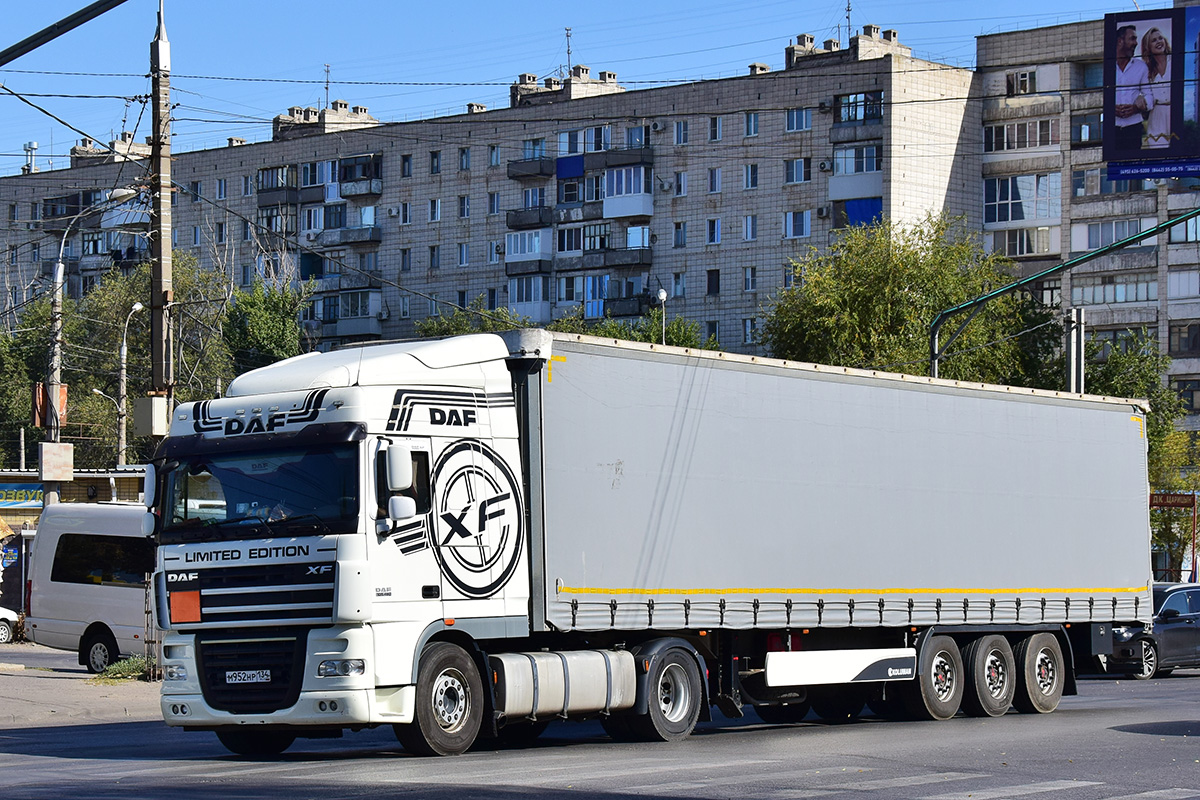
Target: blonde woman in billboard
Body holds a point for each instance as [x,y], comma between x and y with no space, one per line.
[1156,52]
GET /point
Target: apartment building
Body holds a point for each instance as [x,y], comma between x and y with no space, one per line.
[580,194]
[1047,198]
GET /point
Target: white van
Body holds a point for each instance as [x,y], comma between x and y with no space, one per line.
[88,580]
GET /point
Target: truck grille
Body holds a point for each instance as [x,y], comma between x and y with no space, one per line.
[277,653]
[260,595]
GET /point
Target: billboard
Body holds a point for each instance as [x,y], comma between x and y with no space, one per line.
[1151,124]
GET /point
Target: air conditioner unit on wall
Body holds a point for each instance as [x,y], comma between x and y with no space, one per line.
[312,237]
[825,166]
[825,106]
[393,212]
[823,212]
[656,126]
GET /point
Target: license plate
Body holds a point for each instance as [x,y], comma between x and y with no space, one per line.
[248,676]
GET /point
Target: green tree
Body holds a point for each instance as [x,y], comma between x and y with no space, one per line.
[262,325]
[472,319]
[868,301]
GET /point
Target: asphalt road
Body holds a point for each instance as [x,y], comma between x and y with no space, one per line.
[62,737]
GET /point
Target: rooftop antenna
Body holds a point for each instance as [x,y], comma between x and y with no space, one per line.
[327,86]
[568,51]
[849,30]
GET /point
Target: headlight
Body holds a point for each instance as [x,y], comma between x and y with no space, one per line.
[340,667]
[1123,633]
[175,672]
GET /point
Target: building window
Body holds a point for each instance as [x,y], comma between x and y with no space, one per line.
[435,256]
[534,197]
[714,129]
[570,240]
[493,202]
[1020,197]
[860,107]
[1025,241]
[712,330]
[595,237]
[356,304]
[435,210]
[1020,135]
[435,162]
[1021,82]
[529,289]
[713,282]
[406,259]
[570,191]
[714,231]
[368,262]
[637,136]
[464,254]
[533,148]
[196,190]
[570,290]
[797,170]
[35,252]
[461,302]
[789,276]
[464,158]
[523,243]
[798,119]
[750,227]
[1088,182]
[1180,283]
[1086,129]
[750,178]
[1102,234]
[714,180]
[247,275]
[333,262]
[219,232]
[621,181]
[335,216]
[752,123]
[220,188]
[12,212]
[680,184]
[281,177]
[494,249]
[493,155]
[195,236]
[678,284]
[1130,288]
[361,168]
[681,132]
[464,206]
[1185,339]
[405,306]
[796,224]
[491,299]
[405,214]
[749,330]
[406,165]
[680,239]
[750,279]
[1188,390]
[858,159]
[247,232]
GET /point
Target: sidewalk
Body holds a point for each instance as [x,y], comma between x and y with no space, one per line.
[43,687]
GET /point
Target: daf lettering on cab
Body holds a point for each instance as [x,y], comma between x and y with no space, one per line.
[474,536]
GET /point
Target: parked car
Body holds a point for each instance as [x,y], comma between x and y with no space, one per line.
[1173,640]
[8,625]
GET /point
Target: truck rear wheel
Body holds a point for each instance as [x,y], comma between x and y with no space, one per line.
[256,741]
[991,677]
[674,703]
[449,703]
[838,703]
[937,692]
[1041,673]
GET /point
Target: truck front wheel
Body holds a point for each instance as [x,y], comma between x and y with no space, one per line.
[674,703]
[1040,664]
[449,704]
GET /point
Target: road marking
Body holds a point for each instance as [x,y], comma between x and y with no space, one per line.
[1013,791]
[912,780]
[737,780]
[1160,794]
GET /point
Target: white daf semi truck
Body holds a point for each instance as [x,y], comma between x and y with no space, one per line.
[472,537]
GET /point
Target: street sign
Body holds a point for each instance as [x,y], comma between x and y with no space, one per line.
[1166,500]
[8,557]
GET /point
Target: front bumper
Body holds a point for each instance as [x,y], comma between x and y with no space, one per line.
[316,709]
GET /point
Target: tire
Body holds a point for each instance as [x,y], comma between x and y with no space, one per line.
[449,703]
[98,651]
[886,700]
[991,677]
[6,631]
[1149,662]
[256,741]
[785,713]
[838,703]
[1040,673]
[938,689]
[674,703]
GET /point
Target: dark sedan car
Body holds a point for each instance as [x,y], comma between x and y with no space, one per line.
[1173,642]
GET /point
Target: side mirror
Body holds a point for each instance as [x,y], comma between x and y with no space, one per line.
[1169,613]
[149,485]
[148,525]
[399,468]
[401,508]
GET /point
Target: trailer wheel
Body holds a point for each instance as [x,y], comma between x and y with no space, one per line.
[674,702]
[937,692]
[991,676]
[256,741]
[1039,660]
[449,703]
[886,700]
[784,713]
[838,703]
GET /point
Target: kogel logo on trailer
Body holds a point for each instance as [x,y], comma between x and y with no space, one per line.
[204,422]
[478,530]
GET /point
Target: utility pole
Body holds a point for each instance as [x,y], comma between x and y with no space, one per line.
[1075,350]
[162,364]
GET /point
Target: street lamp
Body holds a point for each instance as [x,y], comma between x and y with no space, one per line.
[122,376]
[662,300]
[54,378]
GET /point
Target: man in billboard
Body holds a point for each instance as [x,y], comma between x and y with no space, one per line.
[1132,89]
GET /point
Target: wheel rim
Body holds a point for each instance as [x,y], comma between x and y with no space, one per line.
[674,693]
[1046,671]
[451,701]
[1149,659]
[944,676]
[5,634]
[995,674]
[98,656]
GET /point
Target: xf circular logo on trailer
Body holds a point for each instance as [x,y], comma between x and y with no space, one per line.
[478,531]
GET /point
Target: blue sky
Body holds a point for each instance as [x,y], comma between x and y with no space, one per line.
[476,48]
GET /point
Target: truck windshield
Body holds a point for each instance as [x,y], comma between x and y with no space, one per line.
[262,494]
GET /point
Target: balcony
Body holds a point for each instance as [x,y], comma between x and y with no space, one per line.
[618,158]
[536,217]
[312,194]
[636,306]
[537,266]
[629,205]
[343,236]
[617,257]
[364,327]
[283,196]
[367,186]
[579,213]
[530,168]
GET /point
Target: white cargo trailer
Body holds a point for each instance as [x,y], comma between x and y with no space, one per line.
[474,536]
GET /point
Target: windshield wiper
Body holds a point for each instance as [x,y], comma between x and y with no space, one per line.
[312,521]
